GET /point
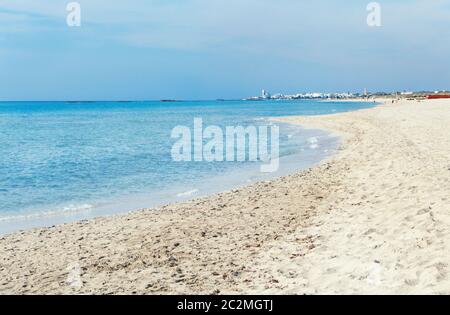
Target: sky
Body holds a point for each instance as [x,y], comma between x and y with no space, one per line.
[208,49]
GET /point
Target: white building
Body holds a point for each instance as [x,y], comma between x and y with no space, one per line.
[265,94]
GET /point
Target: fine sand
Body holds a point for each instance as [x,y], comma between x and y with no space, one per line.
[375,218]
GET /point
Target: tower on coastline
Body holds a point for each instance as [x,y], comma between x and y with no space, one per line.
[265,94]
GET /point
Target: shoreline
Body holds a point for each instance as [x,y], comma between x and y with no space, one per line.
[309,232]
[88,210]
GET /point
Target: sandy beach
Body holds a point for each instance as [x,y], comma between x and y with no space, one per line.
[374,218]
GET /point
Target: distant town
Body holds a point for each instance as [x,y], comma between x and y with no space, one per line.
[265,95]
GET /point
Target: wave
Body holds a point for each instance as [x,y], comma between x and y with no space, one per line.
[188,193]
[313,143]
[36,215]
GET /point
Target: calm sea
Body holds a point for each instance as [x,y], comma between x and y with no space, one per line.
[62,161]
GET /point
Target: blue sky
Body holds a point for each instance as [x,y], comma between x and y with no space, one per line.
[207,49]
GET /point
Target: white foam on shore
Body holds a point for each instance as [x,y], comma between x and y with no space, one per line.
[312,140]
[188,193]
[38,215]
[313,143]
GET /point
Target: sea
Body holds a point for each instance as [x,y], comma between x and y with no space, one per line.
[67,161]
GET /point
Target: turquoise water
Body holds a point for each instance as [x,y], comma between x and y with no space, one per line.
[63,161]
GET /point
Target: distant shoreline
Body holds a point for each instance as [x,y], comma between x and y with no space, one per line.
[254,99]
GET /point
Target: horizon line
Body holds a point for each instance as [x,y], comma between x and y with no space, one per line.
[206,100]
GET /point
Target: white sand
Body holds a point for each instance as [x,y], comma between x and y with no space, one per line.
[373,219]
